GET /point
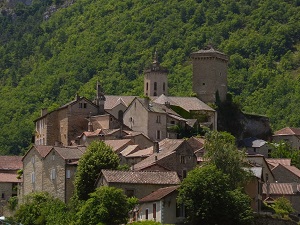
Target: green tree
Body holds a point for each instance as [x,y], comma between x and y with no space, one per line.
[222,152]
[106,206]
[98,156]
[209,198]
[284,150]
[40,208]
[282,206]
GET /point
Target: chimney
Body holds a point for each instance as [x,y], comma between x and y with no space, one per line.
[90,124]
[77,97]
[155,147]
[44,111]
[167,104]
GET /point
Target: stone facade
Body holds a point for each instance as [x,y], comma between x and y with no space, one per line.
[286,174]
[210,75]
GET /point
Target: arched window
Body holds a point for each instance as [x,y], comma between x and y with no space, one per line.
[155,86]
[147,85]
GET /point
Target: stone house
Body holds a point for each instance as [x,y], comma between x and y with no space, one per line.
[9,183]
[51,169]
[136,156]
[170,154]
[161,206]
[139,139]
[152,119]
[256,146]
[286,173]
[257,160]
[137,183]
[290,191]
[197,144]
[290,135]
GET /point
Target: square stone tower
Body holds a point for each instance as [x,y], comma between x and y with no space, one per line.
[210,74]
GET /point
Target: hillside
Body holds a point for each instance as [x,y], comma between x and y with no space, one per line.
[45,61]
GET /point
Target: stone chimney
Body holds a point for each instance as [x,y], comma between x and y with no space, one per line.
[155,147]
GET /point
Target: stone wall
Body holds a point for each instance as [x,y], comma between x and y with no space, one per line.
[272,221]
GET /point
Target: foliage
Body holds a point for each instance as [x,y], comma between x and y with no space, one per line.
[19,173]
[221,151]
[98,156]
[282,206]
[146,223]
[12,203]
[45,61]
[40,208]
[284,150]
[210,199]
[107,206]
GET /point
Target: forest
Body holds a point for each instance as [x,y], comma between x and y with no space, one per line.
[47,57]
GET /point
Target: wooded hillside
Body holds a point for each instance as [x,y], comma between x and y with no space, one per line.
[45,61]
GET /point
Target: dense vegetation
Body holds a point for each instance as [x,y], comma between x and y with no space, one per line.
[43,63]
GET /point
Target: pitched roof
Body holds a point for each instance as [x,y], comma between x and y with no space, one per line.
[42,150]
[72,153]
[140,177]
[292,169]
[166,147]
[130,149]
[118,145]
[113,100]
[9,178]
[288,131]
[11,162]
[196,143]
[187,103]
[280,188]
[141,153]
[253,142]
[159,194]
[275,162]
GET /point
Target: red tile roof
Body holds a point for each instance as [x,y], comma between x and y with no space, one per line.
[280,188]
[196,143]
[140,177]
[159,194]
[71,153]
[11,162]
[43,150]
[275,162]
[288,131]
[9,178]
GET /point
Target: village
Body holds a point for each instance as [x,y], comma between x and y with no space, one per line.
[146,133]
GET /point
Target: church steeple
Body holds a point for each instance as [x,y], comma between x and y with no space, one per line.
[155,79]
[100,99]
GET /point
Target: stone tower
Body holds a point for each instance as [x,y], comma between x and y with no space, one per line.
[155,79]
[100,99]
[210,75]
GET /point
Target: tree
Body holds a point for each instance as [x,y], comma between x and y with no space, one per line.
[98,156]
[40,208]
[282,206]
[222,152]
[284,150]
[106,206]
[210,199]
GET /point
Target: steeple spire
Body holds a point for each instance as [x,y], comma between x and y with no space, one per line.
[100,99]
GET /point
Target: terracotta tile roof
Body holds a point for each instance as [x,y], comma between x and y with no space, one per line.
[187,103]
[130,149]
[91,133]
[288,131]
[275,162]
[11,162]
[280,188]
[141,153]
[166,147]
[140,177]
[159,194]
[196,143]
[9,178]
[118,145]
[113,100]
[72,153]
[43,150]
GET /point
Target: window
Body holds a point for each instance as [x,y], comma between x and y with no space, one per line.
[203,84]
[155,86]
[154,211]
[53,156]
[147,86]
[180,210]
[32,177]
[183,173]
[84,105]
[32,160]
[155,94]
[182,159]
[52,174]
[146,214]
[164,86]
[269,153]
[158,119]
[68,174]
[158,134]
